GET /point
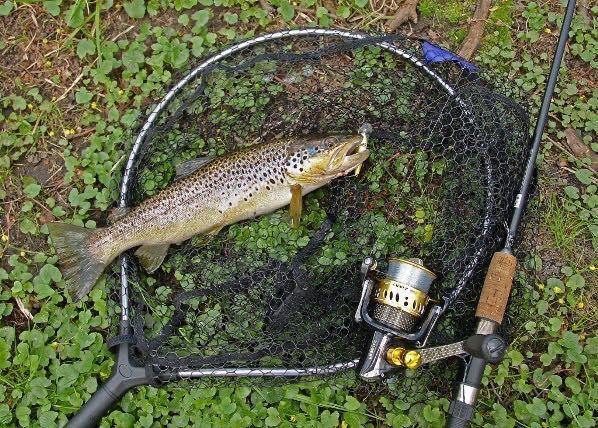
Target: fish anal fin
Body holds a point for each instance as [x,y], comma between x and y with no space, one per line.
[296,206]
[151,256]
[215,230]
[189,167]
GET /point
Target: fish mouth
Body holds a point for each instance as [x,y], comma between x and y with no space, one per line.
[349,156]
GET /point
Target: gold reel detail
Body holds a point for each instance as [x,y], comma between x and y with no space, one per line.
[400,296]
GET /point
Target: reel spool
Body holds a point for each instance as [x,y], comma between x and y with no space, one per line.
[401,295]
[395,305]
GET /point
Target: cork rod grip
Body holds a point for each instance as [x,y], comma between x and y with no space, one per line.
[497,287]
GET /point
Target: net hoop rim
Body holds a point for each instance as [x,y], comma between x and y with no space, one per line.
[129,173]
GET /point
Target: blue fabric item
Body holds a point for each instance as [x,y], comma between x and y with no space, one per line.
[434,53]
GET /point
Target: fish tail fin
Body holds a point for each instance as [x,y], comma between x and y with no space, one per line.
[81,267]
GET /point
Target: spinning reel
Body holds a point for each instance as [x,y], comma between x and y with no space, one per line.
[397,305]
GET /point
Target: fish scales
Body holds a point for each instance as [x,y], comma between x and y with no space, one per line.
[225,191]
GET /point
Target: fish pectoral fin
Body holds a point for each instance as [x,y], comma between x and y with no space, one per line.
[189,167]
[151,256]
[296,206]
[117,213]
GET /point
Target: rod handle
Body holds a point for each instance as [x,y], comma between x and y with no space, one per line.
[497,287]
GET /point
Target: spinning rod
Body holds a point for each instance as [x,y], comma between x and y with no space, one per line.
[485,346]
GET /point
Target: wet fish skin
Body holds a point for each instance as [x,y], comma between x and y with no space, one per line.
[243,184]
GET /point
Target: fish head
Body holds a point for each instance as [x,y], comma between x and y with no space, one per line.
[317,160]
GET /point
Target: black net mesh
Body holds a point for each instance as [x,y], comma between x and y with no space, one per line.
[448,149]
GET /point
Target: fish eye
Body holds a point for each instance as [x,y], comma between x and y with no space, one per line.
[331,140]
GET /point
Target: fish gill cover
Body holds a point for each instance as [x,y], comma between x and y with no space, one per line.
[448,149]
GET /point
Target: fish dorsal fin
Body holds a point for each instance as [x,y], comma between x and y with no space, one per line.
[296,206]
[117,213]
[151,256]
[189,167]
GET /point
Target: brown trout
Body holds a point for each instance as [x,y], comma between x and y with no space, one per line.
[252,181]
